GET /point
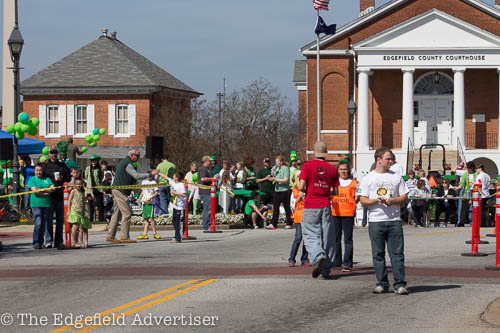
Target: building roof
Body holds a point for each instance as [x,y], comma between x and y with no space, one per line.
[105,65]
[300,71]
[381,10]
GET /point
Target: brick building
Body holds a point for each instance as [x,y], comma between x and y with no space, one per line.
[420,72]
[106,84]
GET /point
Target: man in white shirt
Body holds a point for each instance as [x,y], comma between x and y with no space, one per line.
[484,178]
[383,192]
[397,168]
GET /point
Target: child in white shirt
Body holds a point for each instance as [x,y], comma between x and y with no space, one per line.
[178,190]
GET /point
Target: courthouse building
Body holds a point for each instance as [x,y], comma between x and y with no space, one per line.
[420,72]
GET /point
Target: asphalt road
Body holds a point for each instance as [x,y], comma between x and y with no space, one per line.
[238,280]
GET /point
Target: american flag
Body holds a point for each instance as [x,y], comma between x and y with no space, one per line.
[321,4]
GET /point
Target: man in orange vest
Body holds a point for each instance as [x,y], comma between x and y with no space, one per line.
[344,210]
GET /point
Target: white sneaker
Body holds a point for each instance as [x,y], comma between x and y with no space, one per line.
[380,290]
[401,291]
[288,227]
[256,227]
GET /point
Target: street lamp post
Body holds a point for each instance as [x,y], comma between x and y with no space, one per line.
[15,42]
[351,107]
[219,96]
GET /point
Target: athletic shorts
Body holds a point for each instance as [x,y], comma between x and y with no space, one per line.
[148,211]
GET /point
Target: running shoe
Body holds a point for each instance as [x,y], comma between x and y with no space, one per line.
[156,236]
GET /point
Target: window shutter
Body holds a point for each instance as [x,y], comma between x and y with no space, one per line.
[42,116]
[111,119]
[62,120]
[131,119]
[71,119]
[90,117]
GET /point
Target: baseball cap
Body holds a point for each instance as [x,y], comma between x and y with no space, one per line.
[205,158]
[267,160]
[320,149]
[212,158]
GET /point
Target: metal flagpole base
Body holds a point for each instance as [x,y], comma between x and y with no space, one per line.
[189,238]
[492,268]
[491,235]
[212,232]
[479,242]
[479,254]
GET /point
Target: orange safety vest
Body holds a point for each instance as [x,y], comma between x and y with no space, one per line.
[344,203]
[299,207]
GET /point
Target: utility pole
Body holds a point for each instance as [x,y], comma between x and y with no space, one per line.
[219,97]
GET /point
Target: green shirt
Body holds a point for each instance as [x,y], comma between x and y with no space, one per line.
[168,169]
[248,207]
[281,173]
[266,186]
[37,200]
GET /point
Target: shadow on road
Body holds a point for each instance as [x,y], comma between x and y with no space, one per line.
[424,289]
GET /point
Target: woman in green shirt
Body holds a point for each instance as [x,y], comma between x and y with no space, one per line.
[40,203]
[280,176]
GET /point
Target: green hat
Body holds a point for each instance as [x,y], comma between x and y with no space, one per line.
[213,158]
[94,157]
[205,158]
[3,162]
[293,156]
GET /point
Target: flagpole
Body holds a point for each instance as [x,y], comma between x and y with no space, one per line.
[318,89]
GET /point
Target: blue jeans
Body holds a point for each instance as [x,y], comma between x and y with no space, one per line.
[40,216]
[412,214]
[365,216]
[343,224]
[296,244]
[392,233]
[319,237]
[57,207]
[164,198]
[205,199]
[176,221]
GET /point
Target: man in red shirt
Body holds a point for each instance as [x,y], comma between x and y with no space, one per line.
[318,179]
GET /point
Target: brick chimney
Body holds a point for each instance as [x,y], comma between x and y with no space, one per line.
[366,6]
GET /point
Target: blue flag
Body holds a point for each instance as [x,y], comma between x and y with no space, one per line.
[321,27]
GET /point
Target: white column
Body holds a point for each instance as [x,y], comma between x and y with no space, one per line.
[7,74]
[407,118]
[459,104]
[363,110]
[498,71]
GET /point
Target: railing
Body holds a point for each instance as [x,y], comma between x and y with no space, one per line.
[492,141]
[377,140]
[461,153]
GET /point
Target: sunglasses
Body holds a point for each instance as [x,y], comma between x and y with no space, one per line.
[54,151]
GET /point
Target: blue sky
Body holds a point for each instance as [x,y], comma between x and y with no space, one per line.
[198,41]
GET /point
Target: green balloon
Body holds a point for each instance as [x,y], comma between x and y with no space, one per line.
[17,126]
[45,150]
[10,129]
[35,121]
[96,137]
[43,158]
[84,149]
[20,135]
[102,131]
[25,128]
[88,138]
[93,144]
[95,131]
[23,117]
[33,131]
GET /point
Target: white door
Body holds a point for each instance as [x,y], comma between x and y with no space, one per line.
[434,126]
[427,120]
[443,121]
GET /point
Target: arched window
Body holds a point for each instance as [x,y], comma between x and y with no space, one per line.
[434,84]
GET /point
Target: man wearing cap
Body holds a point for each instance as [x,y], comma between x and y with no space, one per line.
[93,177]
[167,168]
[216,167]
[126,174]
[317,179]
[205,178]
[266,185]
[59,174]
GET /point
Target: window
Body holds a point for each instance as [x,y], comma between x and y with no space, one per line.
[415,113]
[81,119]
[53,119]
[434,84]
[122,119]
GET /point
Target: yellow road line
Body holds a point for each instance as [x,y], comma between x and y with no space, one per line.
[121,307]
[155,302]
